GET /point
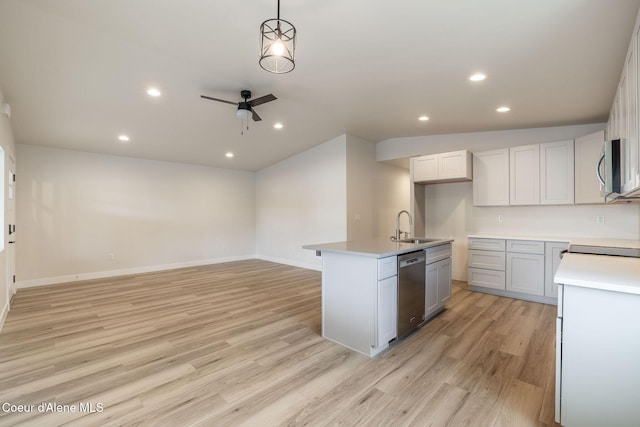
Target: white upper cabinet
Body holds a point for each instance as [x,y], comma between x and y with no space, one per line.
[556,173]
[443,167]
[623,118]
[631,177]
[491,178]
[524,175]
[425,168]
[588,150]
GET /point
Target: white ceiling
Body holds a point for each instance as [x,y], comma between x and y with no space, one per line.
[75,71]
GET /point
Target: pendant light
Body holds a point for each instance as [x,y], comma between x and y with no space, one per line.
[277,45]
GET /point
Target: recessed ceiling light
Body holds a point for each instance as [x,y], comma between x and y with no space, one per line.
[477,77]
[152,91]
[503,109]
[278,126]
[123,138]
[423,118]
[229,154]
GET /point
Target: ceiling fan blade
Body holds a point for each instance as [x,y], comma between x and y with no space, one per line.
[256,117]
[219,100]
[262,100]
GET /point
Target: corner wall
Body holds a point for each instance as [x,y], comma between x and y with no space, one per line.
[333,192]
[302,200]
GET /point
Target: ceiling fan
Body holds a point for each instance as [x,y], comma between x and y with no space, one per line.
[245,108]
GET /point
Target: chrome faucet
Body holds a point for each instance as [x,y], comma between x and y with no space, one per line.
[398,231]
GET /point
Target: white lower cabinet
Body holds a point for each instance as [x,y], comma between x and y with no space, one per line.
[597,354]
[359,301]
[486,262]
[515,268]
[437,279]
[438,286]
[552,257]
[387,313]
[525,273]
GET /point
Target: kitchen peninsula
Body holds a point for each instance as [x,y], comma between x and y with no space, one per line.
[370,289]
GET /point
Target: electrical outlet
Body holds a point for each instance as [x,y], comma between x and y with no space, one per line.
[500,218]
[600,219]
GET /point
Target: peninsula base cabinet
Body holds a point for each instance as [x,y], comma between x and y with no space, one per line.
[597,354]
[520,269]
[359,301]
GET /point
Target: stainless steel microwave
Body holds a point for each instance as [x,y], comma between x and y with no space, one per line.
[610,173]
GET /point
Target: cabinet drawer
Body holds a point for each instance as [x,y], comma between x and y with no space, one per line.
[437,253]
[486,244]
[486,259]
[525,246]
[387,267]
[486,278]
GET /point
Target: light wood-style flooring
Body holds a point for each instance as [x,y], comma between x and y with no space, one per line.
[240,344]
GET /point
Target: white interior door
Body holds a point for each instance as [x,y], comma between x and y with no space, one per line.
[10,213]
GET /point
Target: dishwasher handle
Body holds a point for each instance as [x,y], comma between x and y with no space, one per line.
[410,261]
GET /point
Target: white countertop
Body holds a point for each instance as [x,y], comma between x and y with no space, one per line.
[610,273]
[586,241]
[378,248]
[520,237]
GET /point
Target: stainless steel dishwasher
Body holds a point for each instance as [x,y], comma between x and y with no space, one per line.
[411,272]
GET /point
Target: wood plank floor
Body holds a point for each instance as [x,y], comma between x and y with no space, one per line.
[239,344]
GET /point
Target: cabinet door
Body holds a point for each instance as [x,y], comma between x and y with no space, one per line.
[437,286]
[444,281]
[556,173]
[588,150]
[525,273]
[454,165]
[387,310]
[491,178]
[524,175]
[551,262]
[425,168]
[431,289]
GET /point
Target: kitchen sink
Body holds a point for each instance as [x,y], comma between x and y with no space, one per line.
[417,240]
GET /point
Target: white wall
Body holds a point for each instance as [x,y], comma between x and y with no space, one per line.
[302,200]
[84,215]
[390,197]
[376,192]
[361,164]
[333,192]
[449,210]
[8,146]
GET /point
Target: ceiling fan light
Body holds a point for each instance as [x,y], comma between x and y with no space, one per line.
[277,45]
[244,114]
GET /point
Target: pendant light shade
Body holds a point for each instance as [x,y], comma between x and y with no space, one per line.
[277,45]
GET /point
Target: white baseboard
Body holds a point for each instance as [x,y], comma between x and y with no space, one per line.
[3,315]
[284,261]
[123,272]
